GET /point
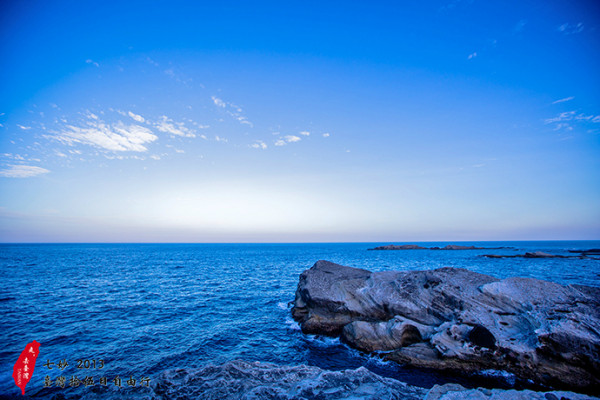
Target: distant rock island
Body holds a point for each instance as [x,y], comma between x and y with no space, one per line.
[595,252]
[459,320]
[448,247]
[540,254]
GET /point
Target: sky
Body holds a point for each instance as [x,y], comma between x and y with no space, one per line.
[299,121]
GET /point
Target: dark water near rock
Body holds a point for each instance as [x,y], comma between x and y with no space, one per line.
[145,308]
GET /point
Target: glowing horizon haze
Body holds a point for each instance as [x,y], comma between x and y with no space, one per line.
[299,121]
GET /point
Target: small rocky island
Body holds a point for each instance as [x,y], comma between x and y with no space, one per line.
[448,247]
[457,320]
[540,254]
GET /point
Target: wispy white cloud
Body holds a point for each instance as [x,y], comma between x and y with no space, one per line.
[292,138]
[233,110]
[287,139]
[472,55]
[167,125]
[13,156]
[570,29]
[221,139]
[244,120]
[563,116]
[94,63]
[326,135]
[590,118]
[113,137]
[305,133]
[564,120]
[259,144]
[218,102]
[22,171]
[563,100]
[136,117]
[25,128]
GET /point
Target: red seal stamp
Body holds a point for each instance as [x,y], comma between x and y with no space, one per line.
[23,369]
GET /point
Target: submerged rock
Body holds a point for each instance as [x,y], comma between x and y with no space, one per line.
[243,380]
[455,319]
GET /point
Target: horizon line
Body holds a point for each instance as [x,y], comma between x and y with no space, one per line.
[318,242]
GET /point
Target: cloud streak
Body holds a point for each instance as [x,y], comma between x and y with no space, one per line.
[22,171]
[112,137]
[136,117]
[167,125]
[565,119]
[571,29]
[233,110]
[563,100]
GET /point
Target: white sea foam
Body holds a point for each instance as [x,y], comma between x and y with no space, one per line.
[293,325]
[494,373]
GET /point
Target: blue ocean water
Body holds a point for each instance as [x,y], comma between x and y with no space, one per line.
[145,308]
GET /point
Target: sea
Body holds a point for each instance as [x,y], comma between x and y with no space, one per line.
[132,311]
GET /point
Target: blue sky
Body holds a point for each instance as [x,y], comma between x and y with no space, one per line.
[299,121]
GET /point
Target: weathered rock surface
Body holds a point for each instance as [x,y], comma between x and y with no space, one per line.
[242,380]
[457,392]
[258,381]
[455,319]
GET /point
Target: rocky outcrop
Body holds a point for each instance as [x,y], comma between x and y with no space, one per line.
[264,381]
[457,392]
[455,319]
[242,380]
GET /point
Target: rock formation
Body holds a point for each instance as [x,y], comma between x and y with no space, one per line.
[242,380]
[254,380]
[455,319]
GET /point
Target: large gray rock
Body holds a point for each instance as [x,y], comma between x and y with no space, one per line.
[456,319]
